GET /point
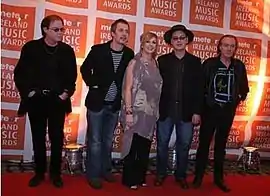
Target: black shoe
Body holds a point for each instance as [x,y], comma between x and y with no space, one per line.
[220,184]
[183,183]
[36,180]
[197,182]
[159,181]
[57,181]
[95,184]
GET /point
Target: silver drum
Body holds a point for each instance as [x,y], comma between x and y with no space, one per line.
[74,158]
[251,159]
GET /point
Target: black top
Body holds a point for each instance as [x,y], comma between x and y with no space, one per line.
[42,67]
[182,83]
[98,74]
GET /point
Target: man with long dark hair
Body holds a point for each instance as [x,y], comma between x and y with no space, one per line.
[226,84]
[45,77]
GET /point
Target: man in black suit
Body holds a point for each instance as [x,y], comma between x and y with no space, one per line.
[226,85]
[45,77]
[103,71]
[180,102]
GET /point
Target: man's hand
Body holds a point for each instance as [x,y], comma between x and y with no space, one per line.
[196,119]
[63,96]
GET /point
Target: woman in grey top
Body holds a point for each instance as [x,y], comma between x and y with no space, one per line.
[141,94]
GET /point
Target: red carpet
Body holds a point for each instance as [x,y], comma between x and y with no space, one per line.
[14,184]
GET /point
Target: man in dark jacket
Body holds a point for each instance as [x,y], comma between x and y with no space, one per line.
[226,84]
[103,71]
[45,77]
[180,103]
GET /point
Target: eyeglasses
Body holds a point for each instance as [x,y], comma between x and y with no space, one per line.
[179,38]
[57,29]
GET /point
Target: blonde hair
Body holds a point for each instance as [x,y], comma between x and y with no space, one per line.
[146,37]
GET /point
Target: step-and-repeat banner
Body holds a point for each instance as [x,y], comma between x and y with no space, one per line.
[88,22]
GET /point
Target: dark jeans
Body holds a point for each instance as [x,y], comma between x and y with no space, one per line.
[47,111]
[219,121]
[136,162]
[184,134]
[101,126]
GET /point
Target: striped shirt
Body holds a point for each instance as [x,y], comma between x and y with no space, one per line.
[112,92]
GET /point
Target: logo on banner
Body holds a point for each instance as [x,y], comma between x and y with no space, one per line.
[264,108]
[245,107]
[260,135]
[71,3]
[17,26]
[249,51]
[76,98]
[247,15]
[12,130]
[103,31]
[236,135]
[163,48]
[195,139]
[117,138]
[9,91]
[268,58]
[164,9]
[76,31]
[118,6]
[70,130]
[207,13]
[204,44]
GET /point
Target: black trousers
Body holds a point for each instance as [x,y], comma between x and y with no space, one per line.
[136,162]
[216,120]
[47,112]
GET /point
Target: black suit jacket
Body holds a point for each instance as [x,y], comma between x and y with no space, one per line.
[98,74]
[192,85]
[26,73]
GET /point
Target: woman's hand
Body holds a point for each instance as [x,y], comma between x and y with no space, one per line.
[129,120]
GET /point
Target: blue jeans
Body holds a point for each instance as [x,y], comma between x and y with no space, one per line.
[100,130]
[184,134]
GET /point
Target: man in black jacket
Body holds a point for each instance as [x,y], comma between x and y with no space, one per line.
[103,71]
[180,103]
[45,77]
[226,84]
